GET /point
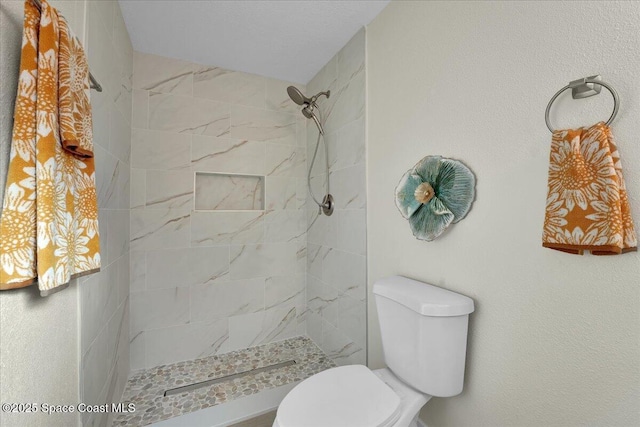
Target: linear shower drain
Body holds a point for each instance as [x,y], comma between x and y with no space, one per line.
[206,383]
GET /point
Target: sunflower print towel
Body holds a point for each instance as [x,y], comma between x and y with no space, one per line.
[76,128]
[587,203]
[49,223]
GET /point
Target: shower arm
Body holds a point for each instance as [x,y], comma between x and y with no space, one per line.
[318,95]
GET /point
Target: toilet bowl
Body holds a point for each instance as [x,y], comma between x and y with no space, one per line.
[424,338]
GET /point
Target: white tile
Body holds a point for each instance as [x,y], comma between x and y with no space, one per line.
[283,290]
[161,74]
[352,231]
[118,229]
[103,222]
[108,293]
[182,114]
[233,87]
[101,119]
[173,268]
[278,98]
[124,186]
[186,342]
[263,125]
[301,256]
[281,192]
[101,52]
[221,300]
[340,348]
[352,319]
[350,59]
[138,269]
[259,328]
[160,150]
[91,308]
[169,189]
[212,154]
[124,99]
[349,187]
[104,13]
[107,172]
[322,299]
[159,229]
[350,145]
[220,228]
[319,189]
[322,230]
[120,136]
[301,131]
[319,166]
[138,189]
[284,226]
[228,192]
[124,269]
[159,308]
[140,109]
[314,260]
[346,103]
[249,261]
[332,142]
[314,327]
[137,351]
[346,272]
[285,160]
[94,369]
[301,193]
[326,77]
[114,332]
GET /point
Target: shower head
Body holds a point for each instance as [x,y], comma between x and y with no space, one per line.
[308,103]
[297,96]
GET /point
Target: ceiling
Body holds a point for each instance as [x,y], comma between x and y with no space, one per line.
[288,40]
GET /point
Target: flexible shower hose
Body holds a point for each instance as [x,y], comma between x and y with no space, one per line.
[313,160]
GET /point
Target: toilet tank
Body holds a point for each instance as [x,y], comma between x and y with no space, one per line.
[424,333]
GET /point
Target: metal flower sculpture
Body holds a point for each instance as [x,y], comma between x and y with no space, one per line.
[435,193]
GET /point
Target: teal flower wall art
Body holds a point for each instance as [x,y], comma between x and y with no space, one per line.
[434,194]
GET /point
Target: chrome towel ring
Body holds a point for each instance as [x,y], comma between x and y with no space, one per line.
[584,88]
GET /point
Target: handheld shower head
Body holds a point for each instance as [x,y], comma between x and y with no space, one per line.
[308,103]
[309,114]
[297,96]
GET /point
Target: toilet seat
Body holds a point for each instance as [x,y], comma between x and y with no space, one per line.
[348,396]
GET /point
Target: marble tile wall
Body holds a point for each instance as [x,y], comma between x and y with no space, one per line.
[336,249]
[104,297]
[207,281]
[228,192]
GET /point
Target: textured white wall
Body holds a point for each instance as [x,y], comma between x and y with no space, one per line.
[39,360]
[72,346]
[555,339]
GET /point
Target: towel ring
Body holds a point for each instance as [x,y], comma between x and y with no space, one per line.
[573,85]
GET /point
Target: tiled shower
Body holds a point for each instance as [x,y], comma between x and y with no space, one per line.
[227,251]
[337,245]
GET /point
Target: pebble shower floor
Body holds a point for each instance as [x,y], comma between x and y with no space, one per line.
[146,388]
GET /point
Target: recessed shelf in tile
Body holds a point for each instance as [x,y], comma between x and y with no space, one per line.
[220,191]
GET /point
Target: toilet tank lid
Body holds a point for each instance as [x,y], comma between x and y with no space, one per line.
[423,298]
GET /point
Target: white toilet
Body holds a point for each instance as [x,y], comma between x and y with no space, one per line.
[424,337]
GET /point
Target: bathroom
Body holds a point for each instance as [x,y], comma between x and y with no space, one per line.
[215,254]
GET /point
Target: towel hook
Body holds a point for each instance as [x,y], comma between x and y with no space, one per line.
[583,88]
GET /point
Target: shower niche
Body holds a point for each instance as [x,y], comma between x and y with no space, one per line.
[228,192]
